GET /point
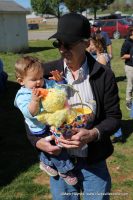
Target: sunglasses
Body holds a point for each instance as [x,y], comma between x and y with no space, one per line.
[58,44]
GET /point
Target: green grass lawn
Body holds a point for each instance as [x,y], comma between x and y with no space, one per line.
[20,177]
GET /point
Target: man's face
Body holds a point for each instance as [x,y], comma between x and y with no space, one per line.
[73,54]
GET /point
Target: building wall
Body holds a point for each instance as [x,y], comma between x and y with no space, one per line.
[13,32]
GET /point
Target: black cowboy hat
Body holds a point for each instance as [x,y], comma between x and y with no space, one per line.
[72,27]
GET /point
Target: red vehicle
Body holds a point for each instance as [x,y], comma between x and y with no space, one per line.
[116,28]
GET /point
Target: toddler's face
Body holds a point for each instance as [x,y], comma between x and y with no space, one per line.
[33,79]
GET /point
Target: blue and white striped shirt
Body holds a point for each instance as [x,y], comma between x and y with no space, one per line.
[82,85]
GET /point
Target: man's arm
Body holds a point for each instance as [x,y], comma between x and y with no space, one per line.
[40,143]
[109,49]
[110,108]
[108,43]
[125,56]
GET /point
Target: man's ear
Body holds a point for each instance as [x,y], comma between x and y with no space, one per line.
[20,81]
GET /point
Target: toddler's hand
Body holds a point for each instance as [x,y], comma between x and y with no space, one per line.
[57,76]
[36,95]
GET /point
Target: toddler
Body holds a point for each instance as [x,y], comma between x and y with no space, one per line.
[30,75]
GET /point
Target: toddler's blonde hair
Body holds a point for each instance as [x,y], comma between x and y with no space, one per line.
[25,63]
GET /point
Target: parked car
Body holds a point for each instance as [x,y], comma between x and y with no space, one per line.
[112,16]
[116,28]
[129,18]
[33,26]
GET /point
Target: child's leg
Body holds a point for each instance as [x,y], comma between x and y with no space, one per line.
[46,165]
[65,166]
[62,162]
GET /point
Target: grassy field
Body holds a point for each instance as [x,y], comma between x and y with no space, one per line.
[20,177]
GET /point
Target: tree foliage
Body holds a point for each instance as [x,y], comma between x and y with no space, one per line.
[76,6]
[99,4]
[52,6]
[46,7]
[123,6]
[81,5]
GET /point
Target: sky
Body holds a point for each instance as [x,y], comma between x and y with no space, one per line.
[27,4]
[24,3]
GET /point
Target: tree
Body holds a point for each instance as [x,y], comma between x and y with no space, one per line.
[122,5]
[47,7]
[99,4]
[81,5]
[76,6]
[53,6]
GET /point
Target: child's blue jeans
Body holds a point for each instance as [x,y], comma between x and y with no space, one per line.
[61,162]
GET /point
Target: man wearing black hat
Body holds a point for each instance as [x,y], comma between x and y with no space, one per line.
[98,29]
[97,88]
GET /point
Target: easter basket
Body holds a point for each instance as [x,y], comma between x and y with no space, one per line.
[80,117]
[60,115]
[84,119]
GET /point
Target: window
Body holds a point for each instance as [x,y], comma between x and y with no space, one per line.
[111,23]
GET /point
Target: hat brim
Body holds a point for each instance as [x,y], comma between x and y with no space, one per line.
[66,38]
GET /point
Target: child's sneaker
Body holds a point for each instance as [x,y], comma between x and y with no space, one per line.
[49,170]
[69,178]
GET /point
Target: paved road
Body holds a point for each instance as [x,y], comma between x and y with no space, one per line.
[40,35]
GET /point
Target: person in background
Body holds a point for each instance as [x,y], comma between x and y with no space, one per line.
[98,29]
[97,45]
[127,56]
[93,81]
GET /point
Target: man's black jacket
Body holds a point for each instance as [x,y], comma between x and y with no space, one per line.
[108,114]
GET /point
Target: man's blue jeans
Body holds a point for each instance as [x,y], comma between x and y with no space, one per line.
[94,183]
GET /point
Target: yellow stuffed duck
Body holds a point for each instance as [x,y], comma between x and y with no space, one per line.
[58,114]
[55,110]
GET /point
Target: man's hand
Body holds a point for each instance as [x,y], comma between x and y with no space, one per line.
[80,137]
[125,56]
[57,76]
[46,146]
